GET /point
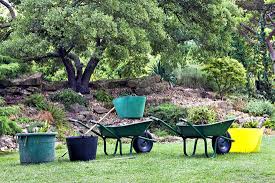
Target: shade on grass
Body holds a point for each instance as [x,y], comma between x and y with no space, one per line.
[165,163]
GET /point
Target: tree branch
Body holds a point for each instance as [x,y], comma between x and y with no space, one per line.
[42,57]
[8,5]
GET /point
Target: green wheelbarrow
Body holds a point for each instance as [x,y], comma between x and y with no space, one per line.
[141,139]
[217,132]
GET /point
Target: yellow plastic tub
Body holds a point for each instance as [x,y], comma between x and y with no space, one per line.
[246,140]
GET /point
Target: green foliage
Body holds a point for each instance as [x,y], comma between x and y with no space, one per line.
[103,96]
[259,107]
[269,123]
[68,97]
[201,115]
[250,124]
[8,127]
[2,101]
[10,110]
[11,68]
[164,72]
[37,100]
[227,73]
[167,112]
[192,76]
[24,120]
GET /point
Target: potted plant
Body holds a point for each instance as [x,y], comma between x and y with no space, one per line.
[247,137]
[38,145]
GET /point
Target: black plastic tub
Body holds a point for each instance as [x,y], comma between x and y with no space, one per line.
[82,148]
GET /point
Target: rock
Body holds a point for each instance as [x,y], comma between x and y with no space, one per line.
[132,83]
[7,143]
[33,89]
[14,91]
[32,80]
[76,108]
[143,91]
[54,86]
[100,110]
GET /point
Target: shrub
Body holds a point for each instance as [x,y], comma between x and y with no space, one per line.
[38,101]
[68,97]
[250,124]
[8,127]
[227,73]
[201,115]
[103,96]
[167,112]
[165,72]
[12,68]
[269,123]
[9,110]
[259,107]
[192,76]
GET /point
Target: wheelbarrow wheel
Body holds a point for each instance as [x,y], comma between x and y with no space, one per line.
[223,145]
[141,145]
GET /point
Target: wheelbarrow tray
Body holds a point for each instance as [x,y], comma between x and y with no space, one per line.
[215,129]
[129,130]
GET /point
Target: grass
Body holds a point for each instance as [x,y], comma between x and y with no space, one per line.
[165,163]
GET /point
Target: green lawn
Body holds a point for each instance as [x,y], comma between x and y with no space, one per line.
[165,163]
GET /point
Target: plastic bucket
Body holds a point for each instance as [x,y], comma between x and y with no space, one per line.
[130,106]
[36,147]
[82,148]
[246,140]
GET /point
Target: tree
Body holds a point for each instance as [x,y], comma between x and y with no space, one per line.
[227,73]
[261,24]
[80,34]
[210,24]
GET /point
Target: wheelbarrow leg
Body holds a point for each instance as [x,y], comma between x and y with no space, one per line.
[195,147]
[131,147]
[105,148]
[120,147]
[116,147]
[205,147]
[185,149]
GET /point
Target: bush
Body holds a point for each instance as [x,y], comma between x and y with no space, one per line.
[68,97]
[9,110]
[8,127]
[104,97]
[168,112]
[192,76]
[38,101]
[12,68]
[250,124]
[228,74]
[201,115]
[259,107]
[164,71]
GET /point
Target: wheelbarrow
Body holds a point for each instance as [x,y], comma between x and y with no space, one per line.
[141,139]
[217,132]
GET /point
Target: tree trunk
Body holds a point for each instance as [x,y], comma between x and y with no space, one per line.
[70,73]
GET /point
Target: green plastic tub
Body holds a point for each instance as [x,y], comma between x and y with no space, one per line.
[130,106]
[36,147]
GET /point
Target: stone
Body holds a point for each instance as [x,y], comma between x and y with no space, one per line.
[143,91]
[31,80]
[100,110]
[33,89]
[54,86]
[76,108]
